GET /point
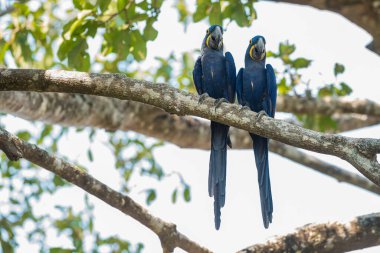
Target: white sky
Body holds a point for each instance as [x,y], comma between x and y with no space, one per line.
[300,195]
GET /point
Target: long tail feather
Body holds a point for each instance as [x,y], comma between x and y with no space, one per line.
[261,157]
[217,168]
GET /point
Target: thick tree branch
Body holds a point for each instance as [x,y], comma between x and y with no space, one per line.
[114,114]
[328,105]
[333,237]
[16,148]
[84,110]
[365,13]
[360,152]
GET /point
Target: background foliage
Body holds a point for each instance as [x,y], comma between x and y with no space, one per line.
[51,34]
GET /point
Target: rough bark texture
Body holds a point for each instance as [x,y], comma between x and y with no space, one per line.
[16,148]
[360,152]
[334,237]
[114,114]
[328,105]
[84,110]
[365,13]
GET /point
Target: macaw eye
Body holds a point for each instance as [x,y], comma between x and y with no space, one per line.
[208,31]
[250,41]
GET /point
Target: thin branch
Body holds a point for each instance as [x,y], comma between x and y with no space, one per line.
[333,237]
[6,11]
[186,132]
[16,148]
[360,152]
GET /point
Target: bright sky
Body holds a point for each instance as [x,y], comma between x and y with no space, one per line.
[300,195]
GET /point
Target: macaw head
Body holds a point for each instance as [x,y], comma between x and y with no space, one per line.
[214,38]
[256,48]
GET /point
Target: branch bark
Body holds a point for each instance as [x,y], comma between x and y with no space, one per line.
[328,105]
[170,238]
[333,237]
[84,110]
[363,13]
[186,132]
[360,152]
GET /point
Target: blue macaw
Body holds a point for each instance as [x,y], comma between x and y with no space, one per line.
[214,75]
[257,90]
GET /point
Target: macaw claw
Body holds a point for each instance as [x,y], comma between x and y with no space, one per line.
[260,114]
[244,107]
[219,101]
[202,97]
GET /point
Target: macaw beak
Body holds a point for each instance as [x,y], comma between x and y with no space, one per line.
[215,39]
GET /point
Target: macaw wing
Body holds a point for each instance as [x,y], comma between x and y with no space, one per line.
[197,76]
[270,99]
[239,86]
[231,77]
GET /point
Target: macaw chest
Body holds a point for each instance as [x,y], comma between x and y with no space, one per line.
[254,84]
[213,69]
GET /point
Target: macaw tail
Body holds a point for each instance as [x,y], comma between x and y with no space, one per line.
[217,168]
[260,148]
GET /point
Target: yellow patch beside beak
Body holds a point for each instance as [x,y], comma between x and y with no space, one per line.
[251,52]
[207,41]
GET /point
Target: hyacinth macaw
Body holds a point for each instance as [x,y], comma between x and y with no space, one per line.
[256,88]
[214,75]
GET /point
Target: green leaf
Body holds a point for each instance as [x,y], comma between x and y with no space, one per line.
[345,89]
[58,181]
[283,88]
[151,196]
[149,32]
[60,250]
[139,45]
[174,196]
[121,4]
[25,135]
[338,69]
[103,4]
[239,15]
[90,155]
[186,194]
[286,49]
[45,132]
[78,58]
[215,16]
[203,9]
[300,63]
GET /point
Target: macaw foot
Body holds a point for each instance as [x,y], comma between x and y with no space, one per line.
[260,114]
[244,107]
[219,101]
[202,97]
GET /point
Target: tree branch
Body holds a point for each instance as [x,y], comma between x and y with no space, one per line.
[6,11]
[328,105]
[360,152]
[333,237]
[114,114]
[84,110]
[364,13]
[16,148]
